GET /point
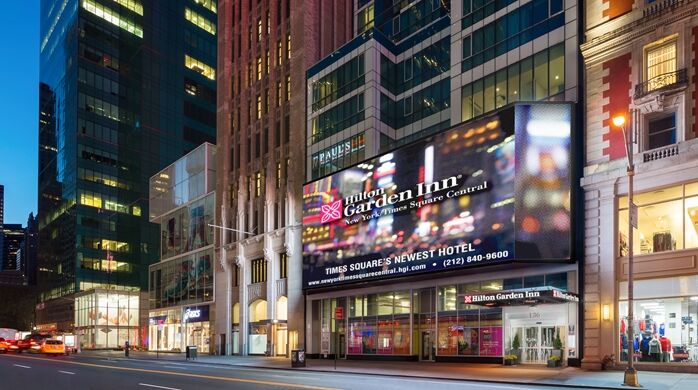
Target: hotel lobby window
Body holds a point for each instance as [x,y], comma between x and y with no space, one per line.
[667,220]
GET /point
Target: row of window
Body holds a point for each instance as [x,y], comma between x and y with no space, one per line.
[98,156]
[408,21]
[417,106]
[667,220]
[99,57]
[200,21]
[524,24]
[533,78]
[342,154]
[424,65]
[338,118]
[104,244]
[93,130]
[339,82]
[101,178]
[95,199]
[113,17]
[194,88]
[477,10]
[208,4]
[103,265]
[99,107]
[199,67]
[98,81]
[133,5]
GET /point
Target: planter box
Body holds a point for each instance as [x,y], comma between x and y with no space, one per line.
[510,362]
[554,363]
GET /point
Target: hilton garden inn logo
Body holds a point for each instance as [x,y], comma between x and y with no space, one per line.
[372,204]
[331,212]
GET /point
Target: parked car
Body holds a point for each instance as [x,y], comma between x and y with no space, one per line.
[53,347]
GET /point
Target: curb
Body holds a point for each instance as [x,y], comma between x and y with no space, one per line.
[542,384]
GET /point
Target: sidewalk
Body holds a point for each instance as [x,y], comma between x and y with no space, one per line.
[568,376]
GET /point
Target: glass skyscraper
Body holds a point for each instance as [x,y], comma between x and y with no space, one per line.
[127,87]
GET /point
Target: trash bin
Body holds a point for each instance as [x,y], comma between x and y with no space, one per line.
[298,358]
[192,352]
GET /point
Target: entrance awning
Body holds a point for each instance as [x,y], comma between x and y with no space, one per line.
[520,297]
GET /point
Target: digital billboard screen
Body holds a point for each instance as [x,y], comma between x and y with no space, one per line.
[484,192]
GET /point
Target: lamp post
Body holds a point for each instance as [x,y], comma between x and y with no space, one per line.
[630,378]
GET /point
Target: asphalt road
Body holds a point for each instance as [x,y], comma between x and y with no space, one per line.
[29,372]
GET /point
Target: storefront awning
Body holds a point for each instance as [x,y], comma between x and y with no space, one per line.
[520,297]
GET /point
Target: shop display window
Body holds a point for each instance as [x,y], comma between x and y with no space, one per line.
[667,220]
[379,324]
[183,281]
[664,330]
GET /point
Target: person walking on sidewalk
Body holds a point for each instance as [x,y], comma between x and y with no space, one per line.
[127,347]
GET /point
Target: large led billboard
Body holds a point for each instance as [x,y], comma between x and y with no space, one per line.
[484,192]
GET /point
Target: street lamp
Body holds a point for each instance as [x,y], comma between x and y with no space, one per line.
[630,378]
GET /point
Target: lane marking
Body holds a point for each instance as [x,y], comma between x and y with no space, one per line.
[158,387]
[190,375]
[67,372]
[21,366]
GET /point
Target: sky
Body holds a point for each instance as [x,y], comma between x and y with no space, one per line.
[19,101]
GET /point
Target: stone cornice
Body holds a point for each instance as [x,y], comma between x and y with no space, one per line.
[614,40]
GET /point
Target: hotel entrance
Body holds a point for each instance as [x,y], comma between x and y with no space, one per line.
[536,329]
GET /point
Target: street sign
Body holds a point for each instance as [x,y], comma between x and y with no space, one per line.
[339,313]
[633,215]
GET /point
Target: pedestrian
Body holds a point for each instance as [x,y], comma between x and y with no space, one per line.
[127,347]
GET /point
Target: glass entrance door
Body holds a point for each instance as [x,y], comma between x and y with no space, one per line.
[427,347]
[537,343]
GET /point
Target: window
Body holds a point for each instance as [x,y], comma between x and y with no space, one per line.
[112,17]
[208,4]
[365,19]
[259,30]
[408,69]
[279,94]
[133,5]
[661,60]
[200,21]
[259,271]
[199,67]
[661,131]
[278,53]
[288,88]
[667,220]
[258,184]
[288,46]
[278,175]
[268,64]
[259,68]
[259,107]
[283,266]
[407,103]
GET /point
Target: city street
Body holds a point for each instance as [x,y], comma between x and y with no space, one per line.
[58,373]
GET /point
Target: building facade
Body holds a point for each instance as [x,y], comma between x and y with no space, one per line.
[127,87]
[416,70]
[640,63]
[265,48]
[13,234]
[181,284]
[2,220]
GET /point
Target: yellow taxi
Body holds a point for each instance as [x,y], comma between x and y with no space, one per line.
[53,347]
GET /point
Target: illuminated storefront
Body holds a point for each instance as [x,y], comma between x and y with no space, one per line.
[173,330]
[107,318]
[665,329]
[485,207]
